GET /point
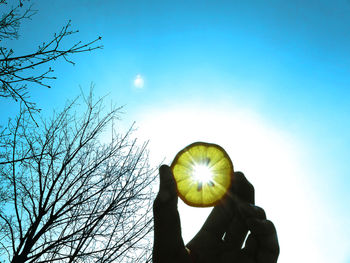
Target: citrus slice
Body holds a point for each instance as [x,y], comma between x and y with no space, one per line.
[203,174]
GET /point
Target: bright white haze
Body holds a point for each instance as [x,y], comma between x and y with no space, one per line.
[272,160]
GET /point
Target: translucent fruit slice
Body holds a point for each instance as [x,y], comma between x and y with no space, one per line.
[203,174]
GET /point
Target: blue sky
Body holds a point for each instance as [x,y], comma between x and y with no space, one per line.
[277,68]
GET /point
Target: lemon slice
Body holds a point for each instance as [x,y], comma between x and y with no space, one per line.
[203,174]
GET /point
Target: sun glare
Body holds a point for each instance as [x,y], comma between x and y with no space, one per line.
[269,157]
[202,173]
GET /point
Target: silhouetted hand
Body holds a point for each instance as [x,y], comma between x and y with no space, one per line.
[221,238]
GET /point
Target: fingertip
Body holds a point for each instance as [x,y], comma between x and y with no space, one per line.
[164,172]
[240,174]
[165,175]
[241,179]
[251,211]
[243,188]
[167,186]
[265,232]
[164,168]
[261,226]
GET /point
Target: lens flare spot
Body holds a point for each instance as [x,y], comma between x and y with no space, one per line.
[138,81]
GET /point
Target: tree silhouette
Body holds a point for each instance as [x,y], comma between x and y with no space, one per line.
[67,196]
[19,72]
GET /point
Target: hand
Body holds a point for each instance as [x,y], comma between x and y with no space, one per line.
[222,235]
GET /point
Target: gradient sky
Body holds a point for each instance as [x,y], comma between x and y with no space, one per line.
[267,80]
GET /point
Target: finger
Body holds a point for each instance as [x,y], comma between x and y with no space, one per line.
[220,218]
[242,188]
[251,211]
[250,246]
[167,185]
[237,229]
[221,215]
[167,229]
[236,233]
[264,231]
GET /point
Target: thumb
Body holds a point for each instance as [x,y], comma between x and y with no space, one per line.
[167,228]
[167,186]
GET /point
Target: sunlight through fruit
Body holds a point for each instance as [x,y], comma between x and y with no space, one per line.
[203,174]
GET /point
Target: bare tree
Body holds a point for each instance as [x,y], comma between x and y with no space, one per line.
[19,72]
[68,197]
